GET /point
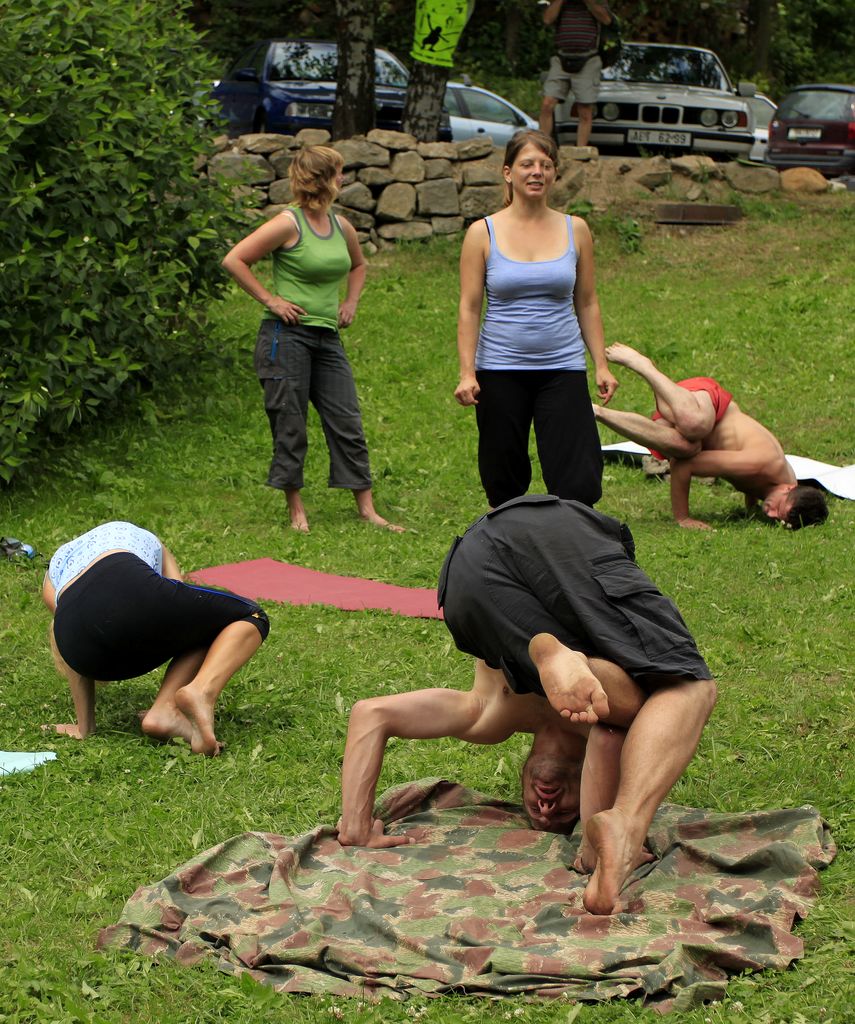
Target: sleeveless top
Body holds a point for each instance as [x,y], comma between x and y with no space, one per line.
[77,554]
[308,274]
[530,323]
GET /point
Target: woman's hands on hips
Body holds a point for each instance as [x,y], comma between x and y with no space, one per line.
[467,390]
[290,312]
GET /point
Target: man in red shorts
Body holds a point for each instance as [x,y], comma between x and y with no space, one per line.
[702,432]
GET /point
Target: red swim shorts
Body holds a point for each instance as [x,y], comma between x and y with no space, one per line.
[721,399]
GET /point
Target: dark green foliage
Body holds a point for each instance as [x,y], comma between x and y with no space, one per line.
[109,240]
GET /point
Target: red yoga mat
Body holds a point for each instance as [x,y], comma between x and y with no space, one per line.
[267,579]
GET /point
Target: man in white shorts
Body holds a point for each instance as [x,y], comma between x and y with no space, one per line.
[576,65]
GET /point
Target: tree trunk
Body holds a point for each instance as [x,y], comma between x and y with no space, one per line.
[425,95]
[513,23]
[761,25]
[353,113]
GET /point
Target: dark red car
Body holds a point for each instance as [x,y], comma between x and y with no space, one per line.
[815,127]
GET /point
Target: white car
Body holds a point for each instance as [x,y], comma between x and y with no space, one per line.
[474,112]
[764,111]
[674,98]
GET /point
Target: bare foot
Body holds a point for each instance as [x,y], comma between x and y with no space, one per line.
[165,723]
[377,520]
[625,355]
[296,511]
[615,854]
[200,712]
[71,729]
[568,682]
[693,524]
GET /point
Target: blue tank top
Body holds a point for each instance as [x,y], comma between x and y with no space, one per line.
[530,322]
[77,554]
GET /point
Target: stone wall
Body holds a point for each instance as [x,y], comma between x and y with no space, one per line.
[398,188]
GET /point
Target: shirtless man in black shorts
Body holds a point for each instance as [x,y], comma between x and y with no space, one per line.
[573,641]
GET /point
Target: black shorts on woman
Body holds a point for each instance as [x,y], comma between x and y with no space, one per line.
[121,619]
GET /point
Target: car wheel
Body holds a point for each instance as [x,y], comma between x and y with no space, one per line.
[259,123]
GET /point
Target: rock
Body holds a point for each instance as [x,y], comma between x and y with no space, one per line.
[280,192]
[803,179]
[312,137]
[357,197]
[567,186]
[219,143]
[438,198]
[280,161]
[577,153]
[392,140]
[837,186]
[369,248]
[483,172]
[275,209]
[445,150]
[200,162]
[411,230]
[447,225]
[438,167]
[408,166]
[481,200]
[753,179]
[361,153]
[697,167]
[248,168]
[473,149]
[651,173]
[360,220]
[397,202]
[264,142]
[694,193]
[374,176]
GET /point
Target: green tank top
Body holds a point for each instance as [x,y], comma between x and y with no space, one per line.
[308,274]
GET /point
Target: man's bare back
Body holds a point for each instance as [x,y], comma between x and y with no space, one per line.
[736,448]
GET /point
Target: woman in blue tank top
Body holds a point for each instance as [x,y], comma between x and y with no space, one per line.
[527,363]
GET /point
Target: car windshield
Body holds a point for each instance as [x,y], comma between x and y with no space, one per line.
[819,104]
[318,62]
[313,62]
[669,65]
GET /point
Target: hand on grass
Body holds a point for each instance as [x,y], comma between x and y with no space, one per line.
[693,524]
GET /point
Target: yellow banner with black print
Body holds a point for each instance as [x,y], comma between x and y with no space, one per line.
[439,25]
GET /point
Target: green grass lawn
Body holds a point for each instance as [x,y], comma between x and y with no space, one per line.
[766,306]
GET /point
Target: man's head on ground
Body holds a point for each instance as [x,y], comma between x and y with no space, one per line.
[796,505]
[551,781]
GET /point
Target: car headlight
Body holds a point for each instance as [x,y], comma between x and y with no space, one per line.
[308,110]
[708,118]
[730,118]
[610,111]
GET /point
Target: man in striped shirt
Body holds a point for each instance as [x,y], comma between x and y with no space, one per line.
[577,35]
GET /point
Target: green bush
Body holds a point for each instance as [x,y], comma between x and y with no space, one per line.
[109,241]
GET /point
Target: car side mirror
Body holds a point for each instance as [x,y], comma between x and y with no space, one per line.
[246,75]
[746,89]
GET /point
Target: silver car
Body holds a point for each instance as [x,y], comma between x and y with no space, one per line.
[661,97]
[476,112]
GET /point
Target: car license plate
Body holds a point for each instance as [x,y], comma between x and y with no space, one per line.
[804,133]
[655,137]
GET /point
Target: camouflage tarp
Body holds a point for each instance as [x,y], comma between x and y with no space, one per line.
[482,904]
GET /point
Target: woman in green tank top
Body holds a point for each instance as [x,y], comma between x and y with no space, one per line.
[298,354]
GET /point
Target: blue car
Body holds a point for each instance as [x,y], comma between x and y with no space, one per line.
[283,85]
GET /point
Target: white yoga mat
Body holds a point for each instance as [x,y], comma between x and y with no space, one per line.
[23,760]
[837,480]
